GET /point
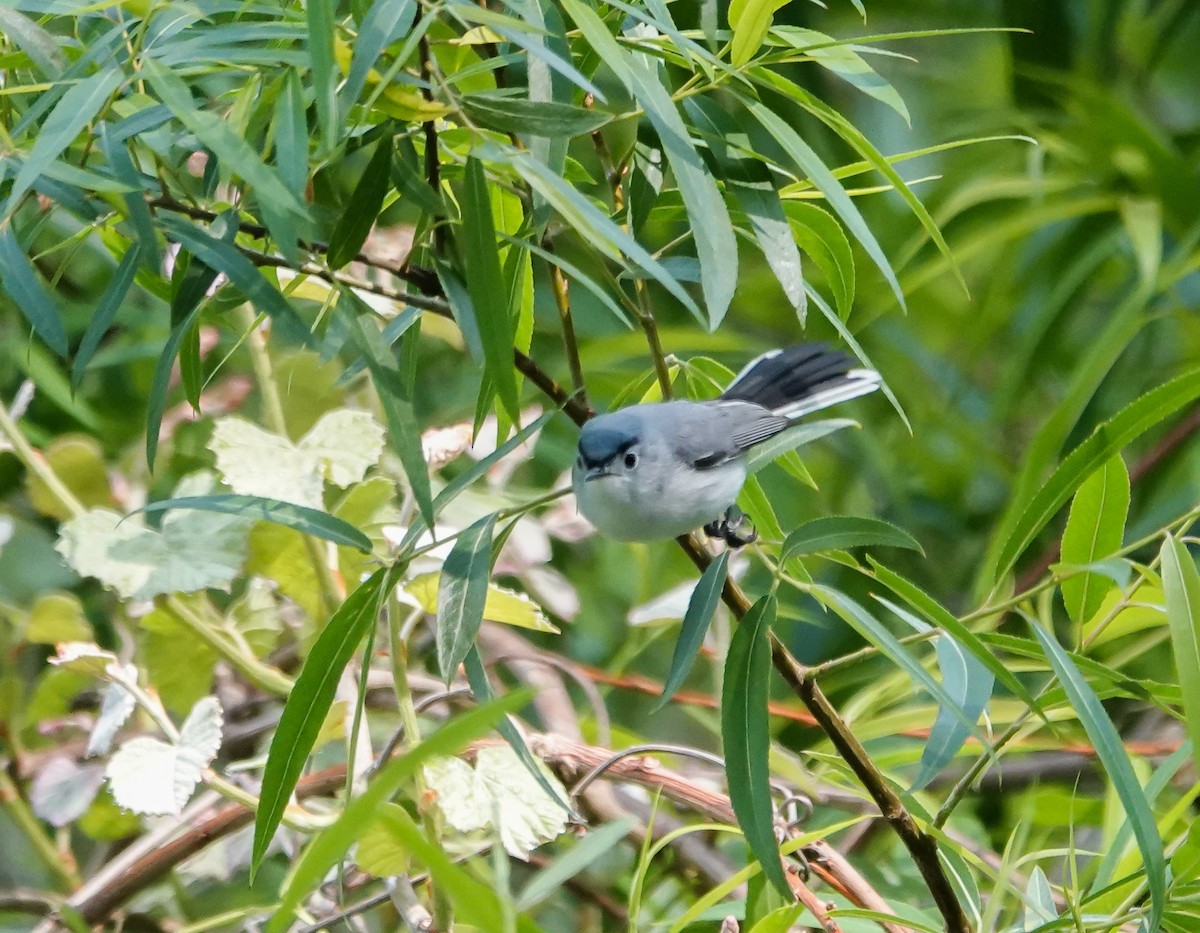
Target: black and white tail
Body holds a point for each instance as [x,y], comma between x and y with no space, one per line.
[799,380]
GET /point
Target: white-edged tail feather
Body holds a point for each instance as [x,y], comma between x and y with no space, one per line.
[852,384]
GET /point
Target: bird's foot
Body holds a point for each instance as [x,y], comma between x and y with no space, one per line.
[734,528]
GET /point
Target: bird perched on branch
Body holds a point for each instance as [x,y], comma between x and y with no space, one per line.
[663,469]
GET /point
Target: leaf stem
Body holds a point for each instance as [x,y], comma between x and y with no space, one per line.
[36,464]
[259,673]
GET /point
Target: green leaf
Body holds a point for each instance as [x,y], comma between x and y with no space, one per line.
[845,62]
[156,404]
[331,844]
[701,606]
[711,227]
[306,707]
[34,41]
[750,21]
[599,292]
[1181,583]
[746,737]
[303,519]
[21,283]
[462,592]
[1110,437]
[819,234]
[106,310]
[223,140]
[797,436]
[591,224]
[321,35]
[534,118]
[386,22]
[1095,530]
[1143,222]
[481,259]
[838,532]
[942,618]
[363,207]
[586,852]
[1107,742]
[761,203]
[73,112]
[136,209]
[810,163]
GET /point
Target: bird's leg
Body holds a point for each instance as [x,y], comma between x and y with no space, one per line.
[733,528]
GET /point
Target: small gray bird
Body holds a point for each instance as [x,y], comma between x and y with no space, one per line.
[663,469]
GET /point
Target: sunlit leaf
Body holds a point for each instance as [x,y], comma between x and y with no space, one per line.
[462,592]
[1181,584]
[1095,529]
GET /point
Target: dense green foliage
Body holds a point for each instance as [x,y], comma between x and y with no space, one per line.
[284,261]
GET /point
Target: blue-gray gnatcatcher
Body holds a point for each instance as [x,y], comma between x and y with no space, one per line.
[663,469]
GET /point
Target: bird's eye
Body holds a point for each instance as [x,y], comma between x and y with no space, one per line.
[630,460]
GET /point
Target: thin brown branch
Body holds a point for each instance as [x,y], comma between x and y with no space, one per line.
[562,300]
[805,896]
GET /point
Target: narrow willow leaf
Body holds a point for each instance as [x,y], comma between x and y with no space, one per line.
[838,532]
[711,227]
[321,35]
[73,112]
[750,21]
[223,140]
[844,61]
[34,41]
[462,592]
[1181,583]
[810,163]
[746,737]
[599,292]
[386,22]
[332,843]
[797,436]
[1143,222]
[941,617]
[1095,530]
[363,207]
[491,310]
[1107,742]
[581,856]
[701,606]
[1128,424]
[156,403]
[290,127]
[310,700]
[136,209]
[299,517]
[818,233]
[533,118]
[22,285]
[1039,900]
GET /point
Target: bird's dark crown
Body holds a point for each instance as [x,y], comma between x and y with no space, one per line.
[599,445]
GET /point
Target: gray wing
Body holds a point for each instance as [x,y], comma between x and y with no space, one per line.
[711,433]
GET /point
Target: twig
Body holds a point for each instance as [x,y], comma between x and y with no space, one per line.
[562,300]
[61,866]
[806,897]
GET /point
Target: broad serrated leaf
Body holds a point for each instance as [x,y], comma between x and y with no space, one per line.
[333,842]
[339,448]
[149,776]
[310,700]
[115,707]
[746,737]
[62,790]
[838,532]
[363,207]
[462,593]
[313,522]
[1181,585]
[700,608]
[1111,752]
[1095,530]
[192,550]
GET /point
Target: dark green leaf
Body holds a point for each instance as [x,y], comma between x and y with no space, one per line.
[1095,530]
[386,22]
[1181,584]
[70,116]
[321,34]
[716,247]
[819,234]
[481,259]
[21,283]
[838,532]
[695,623]
[584,853]
[462,590]
[796,436]
[533,118]
[746,737]
[363,207]
[136,208]
[1108,438]
[156,404]
[34,41]
[106,310]
[308,703]
[331,844]
[1107,742]
[299,517]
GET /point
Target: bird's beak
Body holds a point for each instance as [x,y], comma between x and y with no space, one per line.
[595,473]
